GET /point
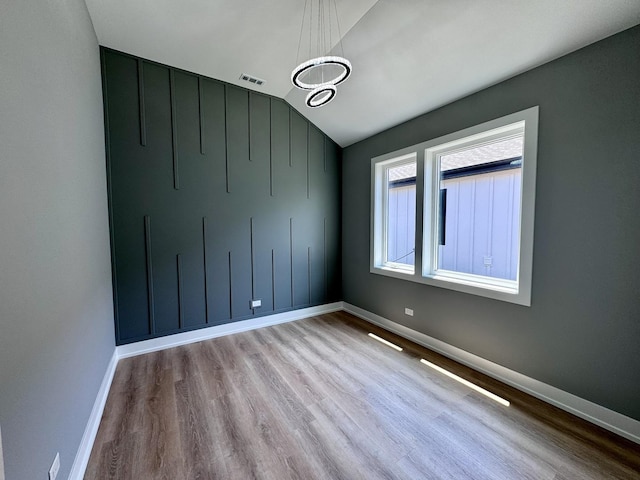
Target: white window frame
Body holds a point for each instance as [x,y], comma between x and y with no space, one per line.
[427,189]
[380,215]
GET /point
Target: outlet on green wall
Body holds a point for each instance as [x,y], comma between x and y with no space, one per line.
[218,195]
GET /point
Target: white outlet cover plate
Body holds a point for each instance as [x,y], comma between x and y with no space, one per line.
[256,303]
[408,311]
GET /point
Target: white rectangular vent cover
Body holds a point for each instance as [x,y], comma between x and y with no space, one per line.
[251,79]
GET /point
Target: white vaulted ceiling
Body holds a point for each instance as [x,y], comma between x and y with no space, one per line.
[408,56]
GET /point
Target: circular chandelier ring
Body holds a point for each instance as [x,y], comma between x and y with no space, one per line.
[329,91]
[319,62]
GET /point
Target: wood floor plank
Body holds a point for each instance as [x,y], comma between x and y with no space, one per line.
[351,445]
[290,404]
[211,370]
[194,428]
[232,458]
[291,370]
[160,436]
[247,414]
[370,452]
[317,399]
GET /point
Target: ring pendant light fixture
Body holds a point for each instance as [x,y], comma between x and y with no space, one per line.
[322,73]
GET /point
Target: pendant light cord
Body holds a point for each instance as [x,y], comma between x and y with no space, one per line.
[323,48]
[304,14]
[335,7]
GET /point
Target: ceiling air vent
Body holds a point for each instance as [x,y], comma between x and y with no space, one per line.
[251,79]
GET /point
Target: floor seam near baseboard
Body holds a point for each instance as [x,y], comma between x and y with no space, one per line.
[615,422]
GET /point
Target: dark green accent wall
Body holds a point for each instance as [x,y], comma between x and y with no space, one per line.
[218,195]
[582,331]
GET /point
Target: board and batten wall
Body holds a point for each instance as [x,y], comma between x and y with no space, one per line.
[218,195]
[582,331]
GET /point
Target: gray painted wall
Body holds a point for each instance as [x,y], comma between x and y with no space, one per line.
[56,314]
[218,195]
[582,331]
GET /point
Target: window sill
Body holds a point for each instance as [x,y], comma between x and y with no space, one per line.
[506,293]
[480,281]
[512,290]
[395,272]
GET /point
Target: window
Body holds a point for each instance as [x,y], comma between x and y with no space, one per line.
[396,188]
[472,214]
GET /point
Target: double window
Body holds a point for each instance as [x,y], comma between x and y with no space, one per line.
[457,211]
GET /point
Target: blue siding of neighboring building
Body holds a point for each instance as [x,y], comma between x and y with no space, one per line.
[482,224]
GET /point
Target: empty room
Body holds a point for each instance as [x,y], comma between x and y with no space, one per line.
[319,239]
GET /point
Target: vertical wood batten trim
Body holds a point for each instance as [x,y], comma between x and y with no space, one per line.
[141,107]
[105,102]
[270,148]
[148,259]
[201,114]
[324,152]
[226,143]
[230,289]
[253,279]
[290,156]
[174,128]
[291,255]
[309,274]
[308,154]
[324,255]
[273,279]
[206,280]
[249,122]
[180,292]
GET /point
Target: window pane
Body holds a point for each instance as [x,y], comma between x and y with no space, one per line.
[401,214]
[479,209]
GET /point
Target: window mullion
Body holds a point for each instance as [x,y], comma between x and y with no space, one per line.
[385,215]
[429,177]
[420,186]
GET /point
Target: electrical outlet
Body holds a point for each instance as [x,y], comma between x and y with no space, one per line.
[256,303]
[408,311]
[55,467]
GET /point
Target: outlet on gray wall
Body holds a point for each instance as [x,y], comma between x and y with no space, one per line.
[581,332]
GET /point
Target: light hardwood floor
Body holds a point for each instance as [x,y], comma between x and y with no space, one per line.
[319,399]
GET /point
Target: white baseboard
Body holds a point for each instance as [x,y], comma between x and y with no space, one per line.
[608,419]
[86,444]
[613,421]
[169,341]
